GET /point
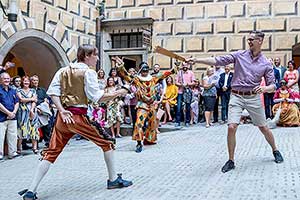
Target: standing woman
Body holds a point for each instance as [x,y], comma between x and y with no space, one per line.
[209,95]
[101,79]
[114,114]
[16,83]
[116,78]
[27,115]
[170,98]
[291,76]
[195,102]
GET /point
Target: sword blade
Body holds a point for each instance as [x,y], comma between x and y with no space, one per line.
[163,51]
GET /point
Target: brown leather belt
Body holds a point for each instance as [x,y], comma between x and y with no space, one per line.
[246,93]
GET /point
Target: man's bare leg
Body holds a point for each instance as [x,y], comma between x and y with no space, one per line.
[231,143]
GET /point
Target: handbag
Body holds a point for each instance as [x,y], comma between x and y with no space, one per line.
[160,113]
[187,95]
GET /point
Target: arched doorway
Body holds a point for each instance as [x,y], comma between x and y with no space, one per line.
[34,52]
[296,54]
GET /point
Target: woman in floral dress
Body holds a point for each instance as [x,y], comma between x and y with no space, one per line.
[27,115]
[114,114]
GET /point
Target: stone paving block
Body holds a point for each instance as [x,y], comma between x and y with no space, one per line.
[127,3]
[194,11]
[117,14]
[80,25]
[244,26]
[61,4]
[85,11]
[194,44]
[164,2]
[53,15]
[183,27]
[174,44]
[294,24]
[236,43]
[136,13]
[237,9]
[225,26]
[156,13]
[172,13]
[164,61]
[259,8]
[285,7]
[216,10]
[285,42]
[271,25]
[184,1]
[203,27]
[111,3]
[145,2]
[24,6]
[74,7]
[216,43]
[163,28]
[192,156]
[67,20]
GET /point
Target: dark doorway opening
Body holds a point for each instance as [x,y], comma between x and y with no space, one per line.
[296,54]
[129,63]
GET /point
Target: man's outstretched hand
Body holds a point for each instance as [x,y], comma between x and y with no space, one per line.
[191,60]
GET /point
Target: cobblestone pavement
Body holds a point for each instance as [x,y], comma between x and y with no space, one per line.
[183,165]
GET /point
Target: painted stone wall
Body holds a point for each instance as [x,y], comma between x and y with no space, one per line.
[70,22]
[212,27]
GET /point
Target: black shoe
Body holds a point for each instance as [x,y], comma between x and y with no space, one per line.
[139,148]
[278,157]
[28,195]
[229,165]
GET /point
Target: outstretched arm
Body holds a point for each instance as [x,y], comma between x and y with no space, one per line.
[121,69]
[113,95]
[207,61]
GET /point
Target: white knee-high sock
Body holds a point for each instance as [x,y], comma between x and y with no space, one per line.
[39,175]
[109,160]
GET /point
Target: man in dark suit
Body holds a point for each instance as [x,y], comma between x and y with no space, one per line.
[281,69]
[268,97]
[225,86]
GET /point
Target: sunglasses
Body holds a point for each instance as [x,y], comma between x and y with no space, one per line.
[252,39]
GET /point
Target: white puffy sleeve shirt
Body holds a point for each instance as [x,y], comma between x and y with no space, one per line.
[91,86]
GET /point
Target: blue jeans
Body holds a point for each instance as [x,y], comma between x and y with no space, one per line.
[179,107]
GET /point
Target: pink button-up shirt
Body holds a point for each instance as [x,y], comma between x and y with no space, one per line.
[184,78]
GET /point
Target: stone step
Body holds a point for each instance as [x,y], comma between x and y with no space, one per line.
[126,129]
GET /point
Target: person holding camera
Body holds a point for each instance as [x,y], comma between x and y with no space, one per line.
[184,80]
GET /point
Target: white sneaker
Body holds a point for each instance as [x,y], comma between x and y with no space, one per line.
[15,154]
[1,157]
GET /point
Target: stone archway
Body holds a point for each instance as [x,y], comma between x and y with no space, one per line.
[37,52]
[296,54]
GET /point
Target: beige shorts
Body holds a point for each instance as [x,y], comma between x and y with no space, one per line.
[252,104]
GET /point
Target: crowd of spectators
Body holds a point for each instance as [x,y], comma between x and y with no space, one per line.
[27,114]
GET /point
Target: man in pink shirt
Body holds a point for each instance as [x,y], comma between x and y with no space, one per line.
[249,67]
[184,80]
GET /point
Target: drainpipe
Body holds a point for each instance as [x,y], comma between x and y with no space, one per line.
[99,41]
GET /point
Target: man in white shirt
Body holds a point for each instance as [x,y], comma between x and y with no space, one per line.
[70,90]
[225,85]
